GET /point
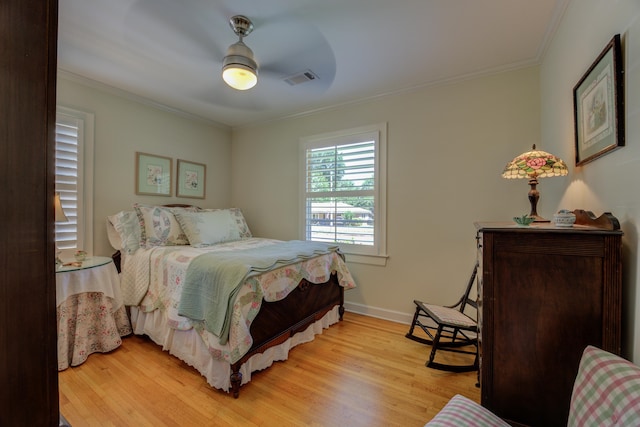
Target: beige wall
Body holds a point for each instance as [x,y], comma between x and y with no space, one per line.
[447,147]
[124,126]
[610,183]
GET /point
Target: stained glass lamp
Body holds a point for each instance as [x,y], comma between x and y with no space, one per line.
[535,164]
[59,217]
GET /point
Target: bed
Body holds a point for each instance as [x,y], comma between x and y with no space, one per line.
[269,296]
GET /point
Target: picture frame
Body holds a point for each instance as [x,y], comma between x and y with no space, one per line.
[153,174]
[192,179]
[599,107]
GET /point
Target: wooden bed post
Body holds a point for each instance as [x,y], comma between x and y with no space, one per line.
[236,380]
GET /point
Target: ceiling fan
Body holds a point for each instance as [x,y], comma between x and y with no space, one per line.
[188,47]
[239,68]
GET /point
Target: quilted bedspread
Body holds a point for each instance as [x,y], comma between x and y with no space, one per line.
[213,279]
[159,274]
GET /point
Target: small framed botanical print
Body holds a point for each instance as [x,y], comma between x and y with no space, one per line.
[191,179]
[153,174]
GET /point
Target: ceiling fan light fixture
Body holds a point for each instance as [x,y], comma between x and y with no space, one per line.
[239,69]
[239,76]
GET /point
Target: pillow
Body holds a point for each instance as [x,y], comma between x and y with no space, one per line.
[112,234]
[158,226]
[209,227]
[123,230]
[237,216]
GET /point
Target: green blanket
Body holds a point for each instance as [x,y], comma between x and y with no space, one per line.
[213,280]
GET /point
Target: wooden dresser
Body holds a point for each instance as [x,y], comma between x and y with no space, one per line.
[545,293]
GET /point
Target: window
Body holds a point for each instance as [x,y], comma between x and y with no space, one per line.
[74,179]
[343,190]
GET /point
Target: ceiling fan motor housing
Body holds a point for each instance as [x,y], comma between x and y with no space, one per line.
[240,54]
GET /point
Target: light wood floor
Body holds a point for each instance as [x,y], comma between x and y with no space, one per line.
[359,372]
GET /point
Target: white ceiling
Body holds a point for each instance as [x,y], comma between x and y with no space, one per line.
[170,52]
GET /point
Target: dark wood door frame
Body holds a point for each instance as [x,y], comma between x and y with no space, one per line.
[28,366]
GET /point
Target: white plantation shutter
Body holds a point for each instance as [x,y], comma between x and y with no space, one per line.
[344,186]
[340,193]
[72,139]
[67,129]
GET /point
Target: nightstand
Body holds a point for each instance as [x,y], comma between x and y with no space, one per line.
[91,316]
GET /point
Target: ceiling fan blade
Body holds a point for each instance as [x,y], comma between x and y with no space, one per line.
[184,29]
[222,95]
[319,63]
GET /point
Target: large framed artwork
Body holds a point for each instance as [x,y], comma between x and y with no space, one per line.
[599,107]
[153,174]
[191,179]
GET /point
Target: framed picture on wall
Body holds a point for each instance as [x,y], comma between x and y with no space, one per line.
[191,179]
[153,174]
[599,107]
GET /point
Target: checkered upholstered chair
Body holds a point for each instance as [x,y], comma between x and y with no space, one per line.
[449,328]
[606,393]
[463,412]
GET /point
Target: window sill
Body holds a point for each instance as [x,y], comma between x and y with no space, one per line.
[380,260]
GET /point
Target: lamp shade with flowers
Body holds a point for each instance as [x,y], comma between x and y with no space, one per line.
[532,165]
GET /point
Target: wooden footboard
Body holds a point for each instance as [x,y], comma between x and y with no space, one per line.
[278,321]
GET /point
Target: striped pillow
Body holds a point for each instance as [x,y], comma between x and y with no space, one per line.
[606,391]
[461,411]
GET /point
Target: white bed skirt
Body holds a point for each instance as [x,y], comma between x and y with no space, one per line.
[189,347]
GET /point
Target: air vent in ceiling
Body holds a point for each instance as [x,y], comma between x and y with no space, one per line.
[303,77]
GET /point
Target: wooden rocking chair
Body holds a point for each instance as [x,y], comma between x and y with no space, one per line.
[451,324]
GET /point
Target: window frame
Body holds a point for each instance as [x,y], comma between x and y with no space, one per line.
[369,254]
[84,190]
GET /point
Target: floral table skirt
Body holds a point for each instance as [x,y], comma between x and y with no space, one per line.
[88,323]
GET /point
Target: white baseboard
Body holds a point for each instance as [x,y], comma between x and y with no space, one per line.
[381,313]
